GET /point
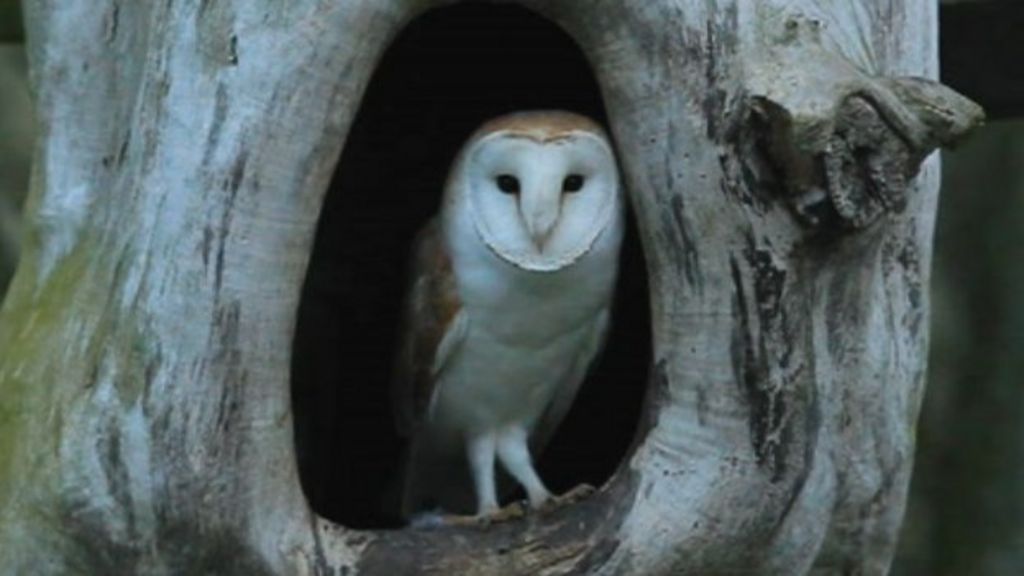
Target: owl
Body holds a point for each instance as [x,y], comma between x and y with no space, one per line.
[509,303]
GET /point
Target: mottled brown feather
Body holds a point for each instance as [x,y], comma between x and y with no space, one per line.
[541,125]
[432,306]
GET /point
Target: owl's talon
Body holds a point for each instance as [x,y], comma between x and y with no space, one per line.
[459,521]
[510,512]
[573,496]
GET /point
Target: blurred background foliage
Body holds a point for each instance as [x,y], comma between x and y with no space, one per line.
[16,137]
[966,511]
[10,22]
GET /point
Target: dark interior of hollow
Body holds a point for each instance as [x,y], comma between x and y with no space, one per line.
[445,74]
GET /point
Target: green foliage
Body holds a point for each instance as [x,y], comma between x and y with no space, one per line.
[10,22]
[16,143]
[966,514]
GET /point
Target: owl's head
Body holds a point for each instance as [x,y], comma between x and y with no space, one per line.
[539,187]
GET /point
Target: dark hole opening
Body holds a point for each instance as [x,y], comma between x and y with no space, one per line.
[448,71]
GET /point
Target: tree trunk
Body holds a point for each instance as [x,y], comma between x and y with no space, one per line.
[771,157]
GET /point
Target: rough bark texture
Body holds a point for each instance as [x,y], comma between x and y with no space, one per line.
[185,147]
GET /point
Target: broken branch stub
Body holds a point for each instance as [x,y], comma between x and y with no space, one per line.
[843,143]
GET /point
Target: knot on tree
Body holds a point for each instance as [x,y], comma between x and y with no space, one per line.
[843,145]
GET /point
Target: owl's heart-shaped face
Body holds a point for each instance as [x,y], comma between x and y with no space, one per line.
[540,193]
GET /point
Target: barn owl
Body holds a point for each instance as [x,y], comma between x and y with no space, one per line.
[509,304]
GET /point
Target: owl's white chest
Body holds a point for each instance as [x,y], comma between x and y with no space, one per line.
[491,384]
[528,333]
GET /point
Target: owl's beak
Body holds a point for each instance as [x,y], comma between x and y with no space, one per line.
[540,239]
[540,219]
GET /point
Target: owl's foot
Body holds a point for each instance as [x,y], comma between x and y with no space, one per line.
[573,496]
[460,521]
[510,512]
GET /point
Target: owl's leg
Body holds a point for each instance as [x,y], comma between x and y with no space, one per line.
[515,456]
[480,453]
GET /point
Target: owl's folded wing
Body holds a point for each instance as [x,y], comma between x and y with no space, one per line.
[565,394]
[434,326]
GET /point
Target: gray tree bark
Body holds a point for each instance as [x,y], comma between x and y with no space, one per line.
[772,154]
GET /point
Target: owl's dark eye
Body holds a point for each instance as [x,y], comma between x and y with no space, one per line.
[572,183]
[508,184]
